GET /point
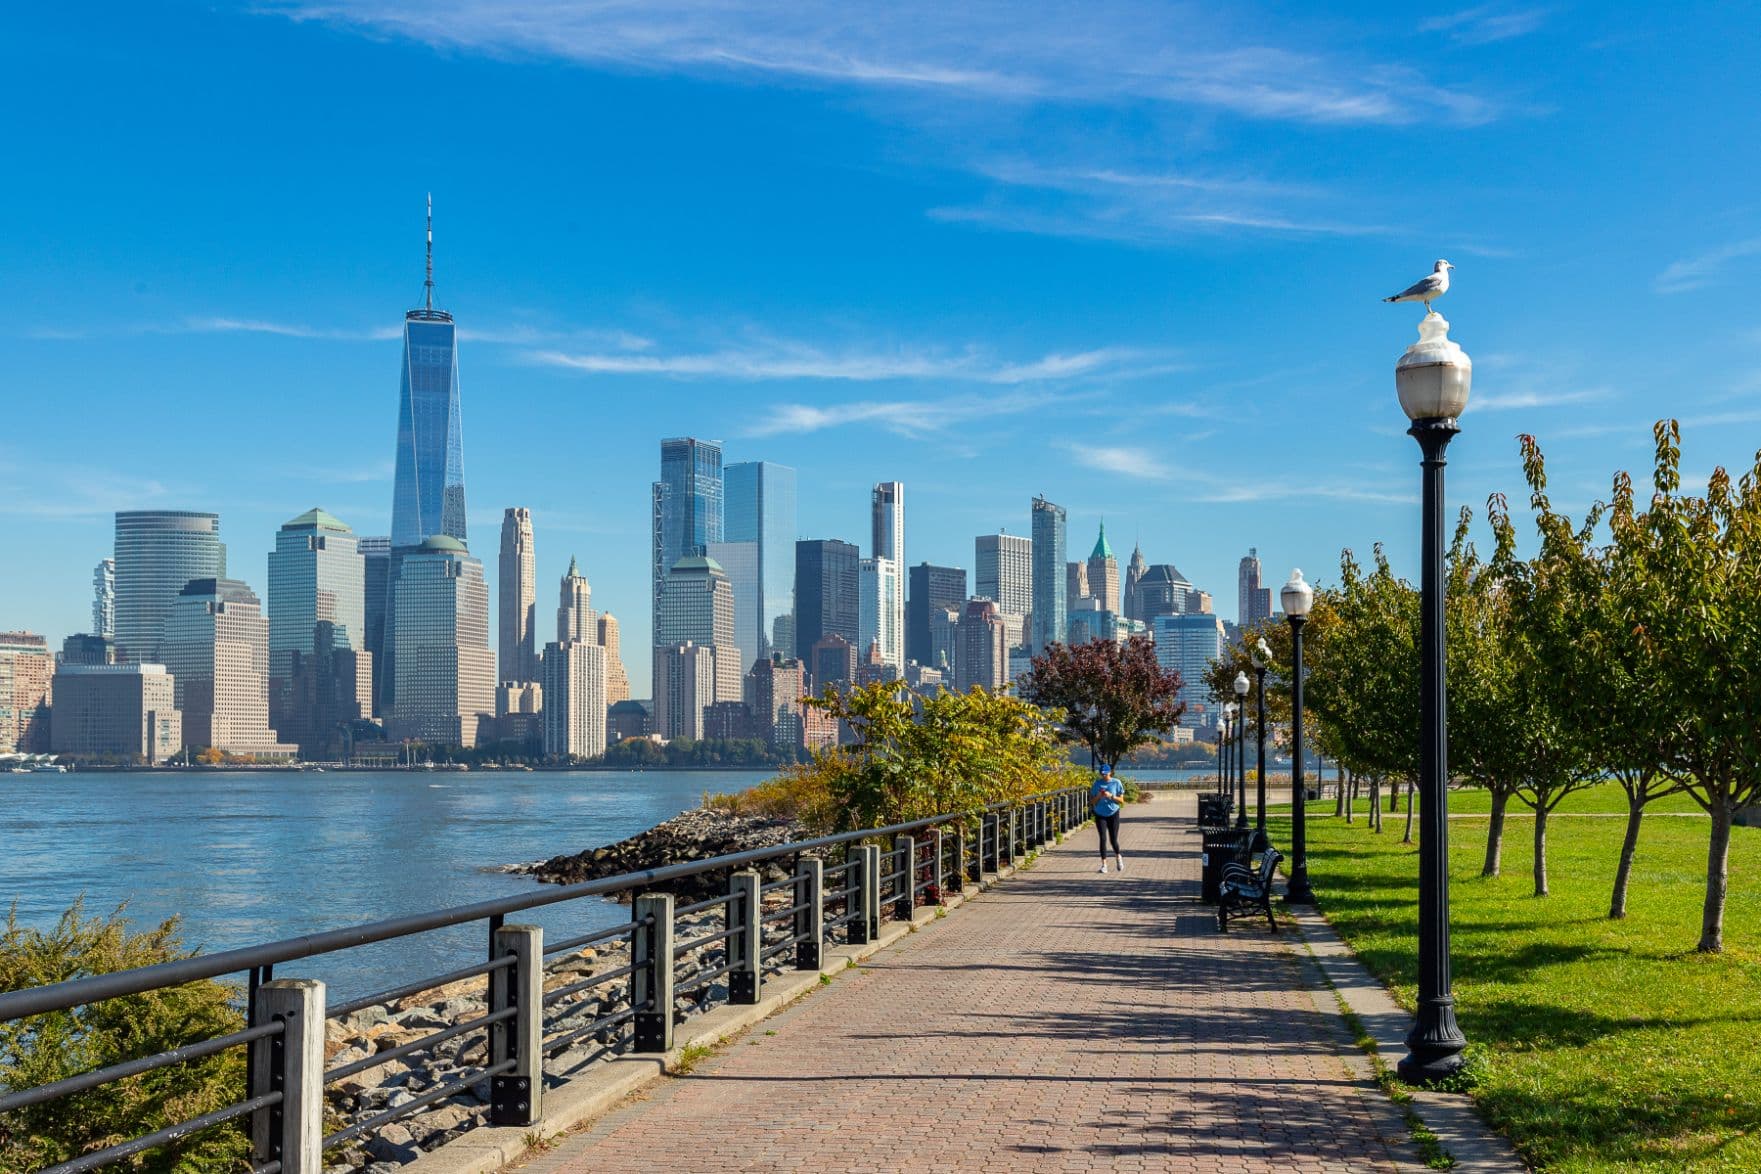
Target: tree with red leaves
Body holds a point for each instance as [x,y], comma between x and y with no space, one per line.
[1112,697]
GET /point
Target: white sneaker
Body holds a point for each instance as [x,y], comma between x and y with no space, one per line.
[1120,861]
[1103,868]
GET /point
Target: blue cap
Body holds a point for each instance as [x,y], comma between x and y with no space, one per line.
[1106,769]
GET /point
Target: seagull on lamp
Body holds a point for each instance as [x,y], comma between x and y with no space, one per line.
[1426,289]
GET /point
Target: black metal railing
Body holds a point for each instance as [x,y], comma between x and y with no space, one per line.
[526,1030]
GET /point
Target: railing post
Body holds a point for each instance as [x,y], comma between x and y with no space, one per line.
[292,1064]
[514,1097]
[938,846]
[1005,838]
[744,940]
[856,913]
[957,878]
[904,901]
[993,859]
[651,984]
[809,912]
[871,874]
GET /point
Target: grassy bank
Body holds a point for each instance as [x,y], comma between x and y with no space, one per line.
[1611,1045]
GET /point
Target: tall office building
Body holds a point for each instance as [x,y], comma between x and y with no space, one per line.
[827,597]
[1050,602]
[104,599]
[697,607]
[375,551]
[316,577]
[27,673]
[1103,574]
[930,588]
[329,691]
[517,599]
[82,648]
[127,710]
[442,667]
[157,552]
[617,680]
[984,647]
[832,663]
[574,700]
[1003,571]
[1253,603]
[1134,572]
[739,561]
[759,508]
[428,490]
[944,639]
[880,612]
[574,607]
[1164,591]
[216,647]
[1187,644]
[687,503]
[1075,583]
[774,689]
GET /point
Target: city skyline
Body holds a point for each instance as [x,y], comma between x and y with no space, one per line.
[982,314]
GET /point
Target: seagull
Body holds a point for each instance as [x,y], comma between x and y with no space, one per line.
[1426,289]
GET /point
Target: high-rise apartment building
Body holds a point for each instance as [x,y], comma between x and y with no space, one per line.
[827,596]
[517,597]
[316,577]
[684,687]
[428,489]
[1253,603]
[774,689]
[574,700]
[27,673]
[887,524]
[944,639]
[1103,574]
[1002,571]
[1187,644]
[125,710]
[1050,602]
[104,599]
[157,552]
[216,648]
[575,619]
[984,647]
[375,551]
[687,501]
[930,588]
[442,666]
[617,680]
[880,611]
[832,663]
[759,508]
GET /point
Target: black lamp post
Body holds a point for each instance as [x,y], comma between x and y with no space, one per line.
[1433,378]
[1261,655]
[1241,687]
[1228,749]
[1297,597]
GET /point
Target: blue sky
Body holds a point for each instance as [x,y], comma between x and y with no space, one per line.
[1127,255]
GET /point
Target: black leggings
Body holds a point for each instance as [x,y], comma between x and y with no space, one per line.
[1108,825]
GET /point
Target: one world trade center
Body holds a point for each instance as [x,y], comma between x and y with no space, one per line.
[428,496]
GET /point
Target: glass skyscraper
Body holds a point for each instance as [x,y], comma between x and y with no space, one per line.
[428,494]
[157,552]
[1049,586]
[687,507]
[760,509]
[316,576]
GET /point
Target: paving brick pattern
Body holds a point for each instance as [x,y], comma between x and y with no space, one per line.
[1064,1021]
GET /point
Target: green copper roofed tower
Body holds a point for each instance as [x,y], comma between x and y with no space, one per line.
[1102,549]
[428,495]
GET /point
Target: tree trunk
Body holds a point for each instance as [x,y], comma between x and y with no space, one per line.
[1635,811]
[1717,880]
[1339,796]
[1376,803]
[1495,835]
[1349,785]
[1411,786]
[1394,799]
[1540,849]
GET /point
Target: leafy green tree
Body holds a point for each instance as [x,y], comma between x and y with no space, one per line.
[50,1047]
[1107,696]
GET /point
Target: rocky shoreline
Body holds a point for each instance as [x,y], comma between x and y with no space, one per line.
[693,835]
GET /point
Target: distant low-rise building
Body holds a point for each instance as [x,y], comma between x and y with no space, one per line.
[84,648]
[727,721]
[629,718]
[128,711]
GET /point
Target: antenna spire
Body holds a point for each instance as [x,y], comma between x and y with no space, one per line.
[428,284]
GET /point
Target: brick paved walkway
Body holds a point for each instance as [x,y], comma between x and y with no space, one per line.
[1062,1021]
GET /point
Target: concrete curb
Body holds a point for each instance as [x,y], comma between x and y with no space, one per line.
[577,1101]
[1476,1147]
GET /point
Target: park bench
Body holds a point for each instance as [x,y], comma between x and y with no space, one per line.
[1245,890]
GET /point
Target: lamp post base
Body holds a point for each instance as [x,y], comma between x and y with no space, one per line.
[1297,891]
[1434,1045]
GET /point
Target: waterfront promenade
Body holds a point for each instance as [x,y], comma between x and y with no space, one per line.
[1069,1022]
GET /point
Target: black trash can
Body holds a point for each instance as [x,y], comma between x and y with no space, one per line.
[1222,844]
[1213,809]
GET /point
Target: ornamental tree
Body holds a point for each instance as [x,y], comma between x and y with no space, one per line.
[1107,696]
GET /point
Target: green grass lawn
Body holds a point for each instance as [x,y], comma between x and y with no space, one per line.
[1611,1045]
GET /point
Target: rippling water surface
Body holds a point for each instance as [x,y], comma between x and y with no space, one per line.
[248,857]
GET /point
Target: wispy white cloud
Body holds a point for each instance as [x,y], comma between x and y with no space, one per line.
[1109,51]
[282,329]
[1707,268]
[1486,24]
[1125,460]
[1537,398]
[54,489]
[1261,491]
[911,418]
[793,360]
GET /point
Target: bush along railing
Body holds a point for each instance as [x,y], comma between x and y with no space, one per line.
[538,1022]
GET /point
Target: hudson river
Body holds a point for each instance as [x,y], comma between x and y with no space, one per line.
[249,857]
